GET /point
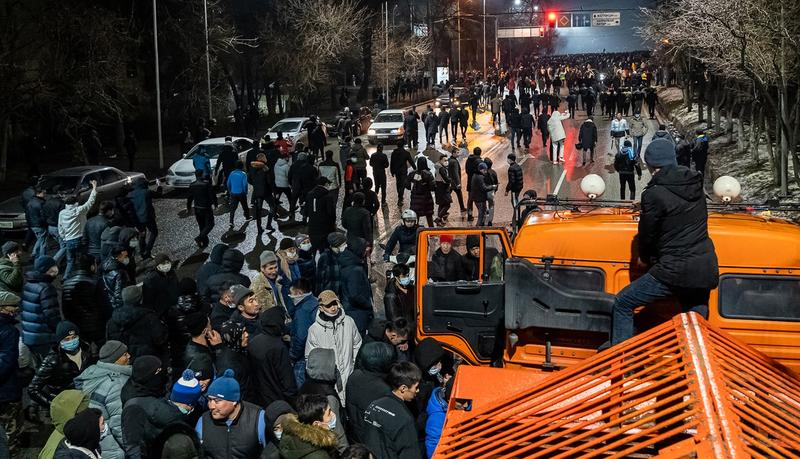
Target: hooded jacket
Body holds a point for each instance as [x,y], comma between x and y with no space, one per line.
[103,383]
[321,211]
[211,267]
[272,371]
[83,303]
[673,230]
[64,407]
[323,379]
[142,200]
[115,278]
[367,383]
[72,220]
[358,223]
[56,373]
[305,314]
[39,310]
[258,176]
[437,411]
[141,329]
[341,335]
[403,236]
[303,441]
[421,184]
[10,388]
[587,135]
[232,263]
[356,291]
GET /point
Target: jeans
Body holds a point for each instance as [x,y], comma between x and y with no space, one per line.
[205,223]
[627,179]
[614,144]
[53,232]
[481,212]
[40,247]
[644,291]
[151,228]
[443,129]
[637,144]
[73,249]
[237,199]
[299,369]
[591,154]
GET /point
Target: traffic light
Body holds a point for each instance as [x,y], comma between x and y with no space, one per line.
[541,31]
[551,18]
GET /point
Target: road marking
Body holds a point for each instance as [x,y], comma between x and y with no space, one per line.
[560,181]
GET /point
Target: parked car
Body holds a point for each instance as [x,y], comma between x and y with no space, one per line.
[460,95]
[292,129]
[181,172]
[111,182]
[386,127]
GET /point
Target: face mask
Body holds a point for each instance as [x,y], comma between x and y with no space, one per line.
[405,281]
[341,248]
[164,267]
[332,423]
[184,410]
[329,314]
[306,246]
[231,305]
[434,370]
[353,160]
[70,345]
[296,299]
[278,434]
[105,432]
[125,261]
[291,254]
[133,243]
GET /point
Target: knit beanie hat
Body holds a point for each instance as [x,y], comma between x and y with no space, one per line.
[286,243]
[145,367]
[482,166]
[231,332]
[187,389]
[195,322]
[187,286]
[10,247]
[83,430]
[473,240]
[65,328]
[268,257]
[44,263]
[299,239]
[132,295]
[225,387]
[239,293]
[112,350]
[660,153]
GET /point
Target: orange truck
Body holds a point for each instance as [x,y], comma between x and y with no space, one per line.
[544,292]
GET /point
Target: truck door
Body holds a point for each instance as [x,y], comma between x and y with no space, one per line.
[461,290]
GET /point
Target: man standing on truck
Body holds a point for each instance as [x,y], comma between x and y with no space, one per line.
[673,242]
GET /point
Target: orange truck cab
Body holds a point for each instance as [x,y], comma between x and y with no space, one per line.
[542,299]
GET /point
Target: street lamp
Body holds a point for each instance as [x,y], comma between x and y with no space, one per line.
[208,57]
[158,87]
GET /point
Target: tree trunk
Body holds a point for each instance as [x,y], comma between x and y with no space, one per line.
[4,126]
[755,124]
[741,146]
[773,164]
[729,121]
[366,59]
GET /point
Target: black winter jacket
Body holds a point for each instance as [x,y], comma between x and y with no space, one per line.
[587,136]
[53,205]
[142,199]
[396,437]
[363,387]
[421,184]
[201,195]
[84,304]
[321,211]
[115,278]
[515,178]
[356,291]
[446,267]
[272,370]
[471,168]
[479,188]
[400,161]
[403,236]
[143,420]
[258,176]
[232,262]
[35,212]
[141,329]
[94,232]
[57,373]
[40,312]
[211,267]
[358,223]
[10,388]
[160,290]
[673,230]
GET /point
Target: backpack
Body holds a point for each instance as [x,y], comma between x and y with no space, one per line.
[621,162]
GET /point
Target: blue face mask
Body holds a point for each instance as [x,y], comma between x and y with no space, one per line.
[332,423]
[405,281]
[70,345]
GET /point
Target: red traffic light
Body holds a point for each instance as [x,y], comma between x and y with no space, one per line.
[551,16]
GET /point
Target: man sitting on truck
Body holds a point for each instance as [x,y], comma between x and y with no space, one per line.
[673,242]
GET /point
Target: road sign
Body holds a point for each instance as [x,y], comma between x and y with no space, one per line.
[607,19]
[518,32]
[564,20]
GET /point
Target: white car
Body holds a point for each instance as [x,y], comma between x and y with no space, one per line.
[181,172]
[292,129]
[386,127]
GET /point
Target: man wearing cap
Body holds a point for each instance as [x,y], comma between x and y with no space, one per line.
[103,382]
[10,388]
[138,326]
[446,264]
[266,286]
[60,367]
[11,268]
[673,242]
[40,308]
[248,309]
[231,428]
[335,330]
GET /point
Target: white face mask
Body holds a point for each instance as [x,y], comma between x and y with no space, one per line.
[306,246]
[340,249]
[125,261]
[296,299]
[291,254]
[164,267]
[278,434]
[134,243]
[105,432]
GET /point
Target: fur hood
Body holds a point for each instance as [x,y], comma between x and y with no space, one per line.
[314,437]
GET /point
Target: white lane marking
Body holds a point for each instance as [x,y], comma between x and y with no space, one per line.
[560,181]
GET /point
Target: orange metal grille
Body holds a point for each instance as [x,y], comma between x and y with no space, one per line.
[682,389]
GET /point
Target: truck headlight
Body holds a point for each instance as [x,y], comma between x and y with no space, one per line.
[371,132]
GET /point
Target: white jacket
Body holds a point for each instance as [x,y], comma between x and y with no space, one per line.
[555,127]
[343,338]
[619,125]
[282,173]
[72,218]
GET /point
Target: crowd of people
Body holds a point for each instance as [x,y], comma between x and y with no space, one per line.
[127,360]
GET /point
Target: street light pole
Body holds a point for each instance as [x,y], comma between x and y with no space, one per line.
[484,40]
[208,57]
[387,52]
[458,15]
[158,87]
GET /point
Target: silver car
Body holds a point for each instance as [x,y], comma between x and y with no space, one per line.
[111,183]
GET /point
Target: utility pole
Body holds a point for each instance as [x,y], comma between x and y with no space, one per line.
[387,53]
[158,87]
[458,16]
[484,40]
[208,57]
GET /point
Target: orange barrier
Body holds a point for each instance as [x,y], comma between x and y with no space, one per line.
[682,389]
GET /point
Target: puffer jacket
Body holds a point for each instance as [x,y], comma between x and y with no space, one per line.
[281,173]
[258,175]
[103,382]
[115,278]
[139,328]
[232,262]
[83,303]
[341,335]
[356,292]
[94,232]
[40,311]
[421,183]
[10,276]
[403,236]
[437,410]
[211,267]
[10,388]
[56,373]
[638,126]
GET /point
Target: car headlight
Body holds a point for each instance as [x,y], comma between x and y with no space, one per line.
[170,172]
[371,132]
[400,130]
[438,103]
